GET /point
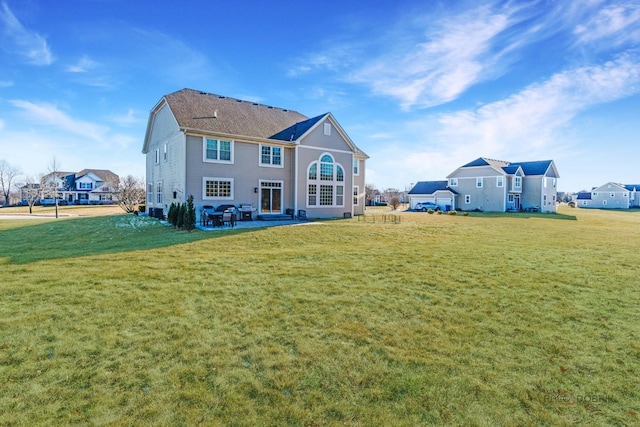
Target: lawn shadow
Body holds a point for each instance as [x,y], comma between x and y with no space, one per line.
[525,215]
[77,237]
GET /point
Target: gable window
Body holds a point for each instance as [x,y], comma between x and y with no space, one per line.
[356,165]
[467,199]
[356,193]
[84,186]
[453,182]
[478,182]
[217,150]
[500,181]
[157,156]
[327,187]
[217,188]
[159,192]
[327,129]
[517,182]
[270,156]
[164,154]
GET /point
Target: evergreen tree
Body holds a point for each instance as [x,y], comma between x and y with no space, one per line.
[190,214]
[180,216]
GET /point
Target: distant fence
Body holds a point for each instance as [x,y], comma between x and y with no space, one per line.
[382,218]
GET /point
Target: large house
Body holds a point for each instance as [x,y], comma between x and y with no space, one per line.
[493,186]
[611,195]
[87,187]
[224,150]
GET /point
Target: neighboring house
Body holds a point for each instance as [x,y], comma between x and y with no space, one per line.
[223,150]
[87,187]
[499,186]
[610,196]
[437,192]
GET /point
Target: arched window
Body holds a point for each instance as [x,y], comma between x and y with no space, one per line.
[327,188]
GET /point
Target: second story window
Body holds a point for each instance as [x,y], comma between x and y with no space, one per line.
[517,182]
[270,156]
[500,181]
[453,182]
[217,151]
[478,182]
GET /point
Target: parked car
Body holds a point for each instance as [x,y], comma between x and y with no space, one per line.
[425,206]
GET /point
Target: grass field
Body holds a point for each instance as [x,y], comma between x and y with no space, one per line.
[477,320]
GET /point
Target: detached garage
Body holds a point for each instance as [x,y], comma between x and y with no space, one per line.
[437,192]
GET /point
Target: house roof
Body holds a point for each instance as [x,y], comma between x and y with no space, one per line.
[104,174]
[297,130]
[220,114]
[538,167]
[632,187]
[430,187]
[584,195]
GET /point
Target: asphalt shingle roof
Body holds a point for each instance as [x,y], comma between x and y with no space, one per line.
[220,114]
[632,187]
[430,187]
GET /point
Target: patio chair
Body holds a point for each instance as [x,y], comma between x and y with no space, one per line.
[204,218]
[228,218]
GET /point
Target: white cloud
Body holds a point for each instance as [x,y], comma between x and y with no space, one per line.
[616,24]
[47,114]
[129,118]
[6,83]
[83,65]
[22,41]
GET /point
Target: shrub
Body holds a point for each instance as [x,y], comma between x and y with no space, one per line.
[430,211]
[142,208]
[189,215]
[465,213]
[452,213]
[439,212]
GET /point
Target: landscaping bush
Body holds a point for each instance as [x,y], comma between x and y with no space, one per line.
[142,208]
[452,213]
[430,211]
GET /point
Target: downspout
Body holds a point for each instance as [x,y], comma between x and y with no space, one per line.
[295,181]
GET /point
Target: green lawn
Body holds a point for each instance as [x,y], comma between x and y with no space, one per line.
[458,320]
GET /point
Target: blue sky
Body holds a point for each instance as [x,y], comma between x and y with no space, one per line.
[421,86]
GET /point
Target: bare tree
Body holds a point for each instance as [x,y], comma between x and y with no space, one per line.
[8,175]
[50,187]
[32,190]
[370,193]
[394,202]
[131,192]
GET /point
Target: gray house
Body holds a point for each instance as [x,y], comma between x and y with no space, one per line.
[499,186]
[223,150]
[610,196]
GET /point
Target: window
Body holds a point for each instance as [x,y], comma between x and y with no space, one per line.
[159,192]
[217,151]
[327,129]
[467,199]
[500,181]
[453,182]
[613,194]
[511,198]
[157,156]
[150,193]
[84,186]
[356,192]
[313,192]
[270,156]
[594,194]
[604,202]
[478,182]
[517,182]
[356,165]
[327,187]
[217,188]
[164,154]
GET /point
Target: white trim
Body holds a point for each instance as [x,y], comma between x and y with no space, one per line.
[479,182]
[313,147]
[499,181]
[212,178]
[271,165]
[467,199]
[231,148]
[453,182]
